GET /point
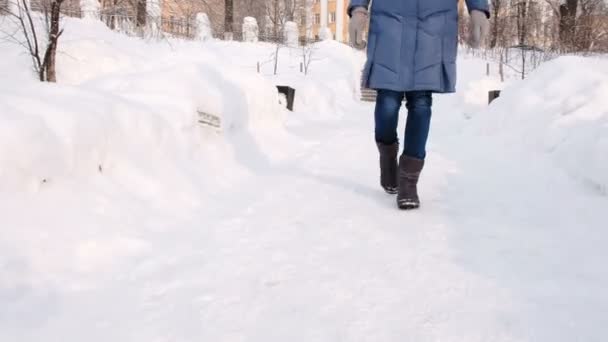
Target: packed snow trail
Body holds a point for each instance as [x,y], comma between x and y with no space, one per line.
[504,248]
[122,221]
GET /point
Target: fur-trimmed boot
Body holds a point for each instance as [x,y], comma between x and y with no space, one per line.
[388,167]
[409,173]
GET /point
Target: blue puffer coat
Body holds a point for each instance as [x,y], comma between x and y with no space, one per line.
[412,44]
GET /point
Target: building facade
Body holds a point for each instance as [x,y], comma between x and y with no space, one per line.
[330,14]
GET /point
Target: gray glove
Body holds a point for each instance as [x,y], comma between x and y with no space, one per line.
[356,28]
[480,26]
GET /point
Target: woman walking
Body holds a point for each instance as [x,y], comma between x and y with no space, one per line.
[411,54]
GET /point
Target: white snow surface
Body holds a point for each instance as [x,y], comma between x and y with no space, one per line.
[560,111]
[124,219]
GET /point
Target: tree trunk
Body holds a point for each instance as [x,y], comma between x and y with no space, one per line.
[276,58]
[276,20]
[141,13]
[48,66]
[567,24]
[522,22]
[228,19]
[496,7]
[288,10]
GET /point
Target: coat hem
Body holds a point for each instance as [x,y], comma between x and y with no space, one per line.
[385,86]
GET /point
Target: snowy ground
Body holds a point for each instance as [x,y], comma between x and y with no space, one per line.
[275,229]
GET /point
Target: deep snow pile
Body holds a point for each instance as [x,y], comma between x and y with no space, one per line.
[561,112]
[123,102]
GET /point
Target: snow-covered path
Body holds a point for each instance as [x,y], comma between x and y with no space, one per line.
[505,248]
[123,220]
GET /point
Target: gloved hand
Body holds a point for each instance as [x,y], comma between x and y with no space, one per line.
[356,28]
[480,26]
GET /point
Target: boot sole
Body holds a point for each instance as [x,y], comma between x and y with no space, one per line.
[391,191]
[408,205]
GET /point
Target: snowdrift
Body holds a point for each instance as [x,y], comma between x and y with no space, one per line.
[127,104]
[560,112]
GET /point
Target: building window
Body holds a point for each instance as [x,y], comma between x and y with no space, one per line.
[317,18]
[332,17]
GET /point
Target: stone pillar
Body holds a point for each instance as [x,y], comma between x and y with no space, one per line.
[323,14]
[340,13]
[291,34]
[250,30]
[153,10]
[203,27]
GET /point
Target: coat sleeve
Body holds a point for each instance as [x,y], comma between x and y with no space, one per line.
[479,5]
[361,3]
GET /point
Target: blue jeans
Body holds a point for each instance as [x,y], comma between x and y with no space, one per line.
[418,105]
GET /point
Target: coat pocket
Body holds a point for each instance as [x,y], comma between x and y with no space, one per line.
[387,31]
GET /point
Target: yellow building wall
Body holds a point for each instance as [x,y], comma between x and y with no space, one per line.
[331,8]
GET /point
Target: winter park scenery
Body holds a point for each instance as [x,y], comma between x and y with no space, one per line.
[154,186]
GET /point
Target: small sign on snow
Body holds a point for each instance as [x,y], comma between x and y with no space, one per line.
[209,119]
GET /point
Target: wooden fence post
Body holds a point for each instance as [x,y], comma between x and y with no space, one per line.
[501,70]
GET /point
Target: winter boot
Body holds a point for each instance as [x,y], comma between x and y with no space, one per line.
[388,167]
[409,173]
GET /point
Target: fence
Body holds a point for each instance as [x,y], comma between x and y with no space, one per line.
[123,17]
[522,60]
[180,27]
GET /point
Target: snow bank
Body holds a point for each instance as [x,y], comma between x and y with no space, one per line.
[125,103]
[329,87]
[124,107]
[561,111]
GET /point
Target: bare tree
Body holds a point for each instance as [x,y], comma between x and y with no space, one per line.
[281,11]
[289,10]
[522,21]
[54,32]
[497,7]
[27,36]
[141,14]
[589,28]
[308,51]
[228,19]
[567,24]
